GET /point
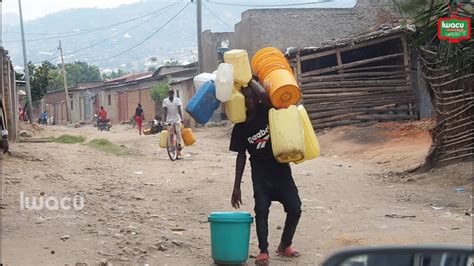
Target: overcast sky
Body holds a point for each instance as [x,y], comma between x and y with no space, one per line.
[37,8]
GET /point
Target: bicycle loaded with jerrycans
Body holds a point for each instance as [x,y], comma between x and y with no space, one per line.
[169,139]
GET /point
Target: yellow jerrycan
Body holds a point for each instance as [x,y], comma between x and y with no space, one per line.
[311,143]
[240,61]
[235,107]
[286,134]
[164,134]
[188,137]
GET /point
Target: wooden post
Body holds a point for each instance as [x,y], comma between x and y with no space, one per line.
[298,69]
[339,61]
[68,111]
[406,61]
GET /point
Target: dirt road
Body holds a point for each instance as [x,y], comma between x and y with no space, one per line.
[142,208]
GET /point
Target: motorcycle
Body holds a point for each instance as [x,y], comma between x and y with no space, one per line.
[102,124]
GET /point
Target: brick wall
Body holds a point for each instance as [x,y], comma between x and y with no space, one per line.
[133,98]
[112,107]
[148,104]
[8,94]
[55,97]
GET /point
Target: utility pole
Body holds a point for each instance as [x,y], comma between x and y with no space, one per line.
[68,111]
[27,72]
[199,32]
[1,23]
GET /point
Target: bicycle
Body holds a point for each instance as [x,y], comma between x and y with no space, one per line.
[172,142]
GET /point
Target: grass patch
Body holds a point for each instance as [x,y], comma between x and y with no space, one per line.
[69,139]
[108,147]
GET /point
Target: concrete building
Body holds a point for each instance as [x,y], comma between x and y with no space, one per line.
[55,105]
[297,27]
[8,95]
[120,96]
[214,44]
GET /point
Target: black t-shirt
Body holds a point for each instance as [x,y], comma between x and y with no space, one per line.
[138,111]
[253,136]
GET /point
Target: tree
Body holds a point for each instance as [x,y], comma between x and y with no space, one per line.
[19,76]
[152,69]
[115,74]
[172,62]
[80,71]
[39,80]
[457,57]
[447,70]
[56,81]
[159,92]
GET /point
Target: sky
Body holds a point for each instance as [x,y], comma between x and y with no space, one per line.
[33,9]
[38,8]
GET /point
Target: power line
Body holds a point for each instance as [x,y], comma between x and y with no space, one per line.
[54,55]
[146,39]
[54,51]
[269,5]
[117,34]
[163,10]
[85,31]
[217,17]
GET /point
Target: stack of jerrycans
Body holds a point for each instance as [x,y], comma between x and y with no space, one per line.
[235,106]
[292,134]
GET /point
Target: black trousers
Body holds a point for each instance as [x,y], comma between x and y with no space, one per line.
[273,181]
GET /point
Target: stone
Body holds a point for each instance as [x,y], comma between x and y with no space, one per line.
[24,134]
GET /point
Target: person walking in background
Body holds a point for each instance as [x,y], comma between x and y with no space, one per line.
[21,114]
[44,118]
[139,117]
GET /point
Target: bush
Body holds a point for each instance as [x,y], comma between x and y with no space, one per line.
[108,147]
[160,91]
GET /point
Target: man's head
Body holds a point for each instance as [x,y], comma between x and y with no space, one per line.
[171,94]
[139,105]
[251,99]
[101,108]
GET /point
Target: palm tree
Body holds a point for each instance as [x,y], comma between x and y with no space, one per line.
[458,57]
[448,69]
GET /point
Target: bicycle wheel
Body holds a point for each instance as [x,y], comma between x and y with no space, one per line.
[172,148]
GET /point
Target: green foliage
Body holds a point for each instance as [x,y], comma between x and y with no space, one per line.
[69,139]
[19,76]
[458,57]
[108,147]
[81,72]
[160,91]
[56,81]
[115,74]
[414,7]
[39,80]
[172,62]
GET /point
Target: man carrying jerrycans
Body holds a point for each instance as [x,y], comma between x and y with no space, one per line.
[272,181]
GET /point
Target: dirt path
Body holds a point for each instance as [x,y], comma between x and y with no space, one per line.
[146,209]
